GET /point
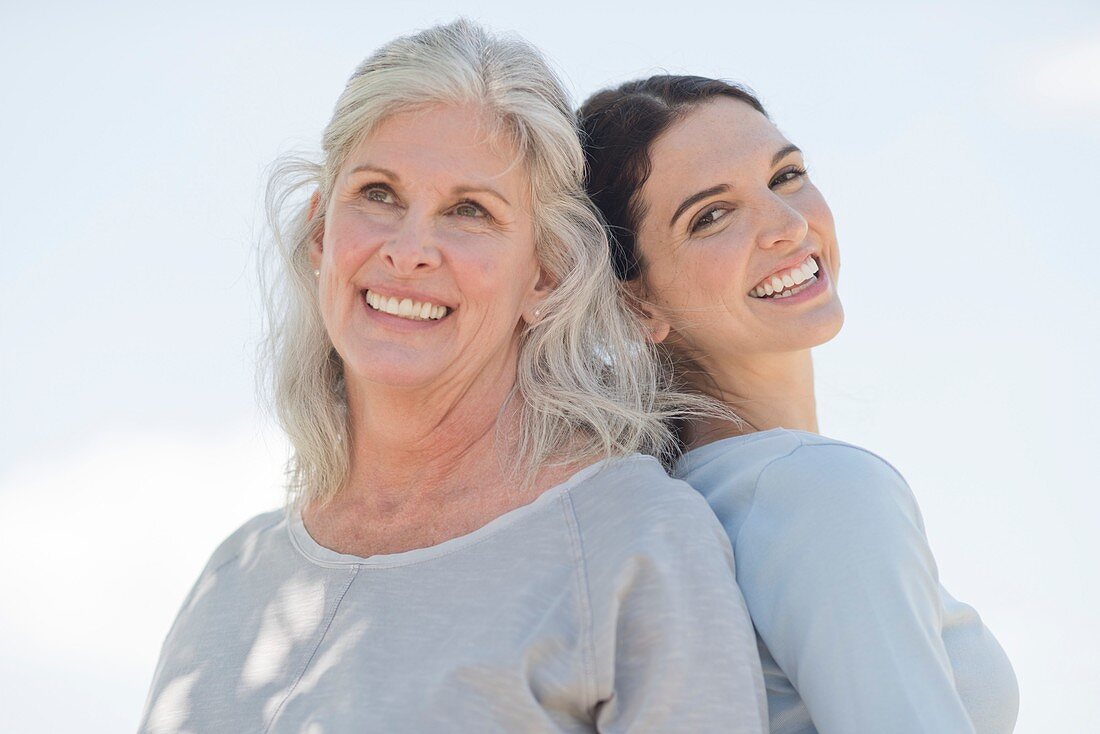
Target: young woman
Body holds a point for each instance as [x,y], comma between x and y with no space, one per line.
[730,252]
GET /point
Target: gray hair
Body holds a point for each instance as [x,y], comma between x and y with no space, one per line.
[588,382]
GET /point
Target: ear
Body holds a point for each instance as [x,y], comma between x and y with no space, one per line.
[533,310]
[656,325]
[315,246]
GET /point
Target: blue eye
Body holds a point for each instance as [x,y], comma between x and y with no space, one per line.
[377,192]
[470,209]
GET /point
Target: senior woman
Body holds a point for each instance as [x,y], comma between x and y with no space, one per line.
[730,251]
[472,542]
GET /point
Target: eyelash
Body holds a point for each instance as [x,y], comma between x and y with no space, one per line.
[467,202]
[797,171]
[365,192]
[698,223]
[791,173]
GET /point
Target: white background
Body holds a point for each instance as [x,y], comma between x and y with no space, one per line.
[956,143]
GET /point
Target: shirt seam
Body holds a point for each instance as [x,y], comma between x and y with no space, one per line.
[860,449]
[301,673]
[237,553]
[584,595]
[756,484]
[203,575]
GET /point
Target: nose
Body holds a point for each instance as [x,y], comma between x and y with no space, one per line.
[412,246]
[781,223]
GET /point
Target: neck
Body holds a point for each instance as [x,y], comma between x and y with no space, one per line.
[766,391]
[413,447]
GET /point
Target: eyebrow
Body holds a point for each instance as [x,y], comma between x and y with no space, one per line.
[463,190]
[456,191]
[722,188]
[784,152]
[375,169]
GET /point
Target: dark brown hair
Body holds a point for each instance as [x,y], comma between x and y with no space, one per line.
[618,127]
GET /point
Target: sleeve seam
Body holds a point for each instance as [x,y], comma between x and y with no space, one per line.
[830,444]
[859,449]
[237,552]
[756,485]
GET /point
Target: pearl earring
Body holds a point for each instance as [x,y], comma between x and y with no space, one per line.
[317,273]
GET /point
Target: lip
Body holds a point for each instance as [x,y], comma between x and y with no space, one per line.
[815,289]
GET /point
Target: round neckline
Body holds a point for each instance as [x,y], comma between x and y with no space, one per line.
[329,558]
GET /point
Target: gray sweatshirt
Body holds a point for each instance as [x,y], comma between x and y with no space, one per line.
[606,605]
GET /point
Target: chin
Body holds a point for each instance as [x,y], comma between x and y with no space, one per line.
[391,367]
[830,326]
[813,329]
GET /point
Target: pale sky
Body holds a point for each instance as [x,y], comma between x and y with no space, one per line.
[956,143]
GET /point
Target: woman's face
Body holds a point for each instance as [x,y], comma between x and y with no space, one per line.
[428,259]
[738,247]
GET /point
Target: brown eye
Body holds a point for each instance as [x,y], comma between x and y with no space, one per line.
[788,175]
[709,217]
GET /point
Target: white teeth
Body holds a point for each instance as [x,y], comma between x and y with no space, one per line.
[780,285]
[797,289]
[406,307]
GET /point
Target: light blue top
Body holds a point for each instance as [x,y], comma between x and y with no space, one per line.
[856,634]
[606,605]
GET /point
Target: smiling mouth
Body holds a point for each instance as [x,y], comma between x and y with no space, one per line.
[789,282]
[405,308]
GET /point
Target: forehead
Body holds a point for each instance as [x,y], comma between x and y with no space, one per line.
[449,142]
[718,142]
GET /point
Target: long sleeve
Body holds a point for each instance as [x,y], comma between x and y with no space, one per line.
[843,589]
[674,647]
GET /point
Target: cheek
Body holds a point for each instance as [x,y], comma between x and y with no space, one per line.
[706,274]
[496,273]
[349,241]
[820,219]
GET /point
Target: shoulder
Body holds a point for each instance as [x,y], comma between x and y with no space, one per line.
[827,505]
[790,473]
[244,539]
[780,449]
[816,470]
[634,497]
[632,517]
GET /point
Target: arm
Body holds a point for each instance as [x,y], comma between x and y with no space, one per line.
[674,647]
[844,591]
